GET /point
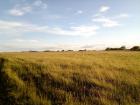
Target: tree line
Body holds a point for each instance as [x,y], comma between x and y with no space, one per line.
[134,48]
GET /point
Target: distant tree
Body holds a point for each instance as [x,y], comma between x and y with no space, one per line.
[62,50]
[122,48]
[32,51]
[70,50]
[135,48]
[107,49]
[83,50]
[47,51]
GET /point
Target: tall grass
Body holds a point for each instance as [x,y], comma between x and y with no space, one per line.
[70,78]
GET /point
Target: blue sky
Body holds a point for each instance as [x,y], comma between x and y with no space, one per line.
[68,24]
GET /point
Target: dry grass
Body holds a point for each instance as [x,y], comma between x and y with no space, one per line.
[70,78]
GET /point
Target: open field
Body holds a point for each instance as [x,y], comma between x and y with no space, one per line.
[70,78]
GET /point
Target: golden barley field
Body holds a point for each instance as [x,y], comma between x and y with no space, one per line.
[70,78]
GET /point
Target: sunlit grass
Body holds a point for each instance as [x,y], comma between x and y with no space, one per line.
[70,78]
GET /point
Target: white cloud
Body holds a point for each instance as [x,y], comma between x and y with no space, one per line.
[14,45]
[109,21]
[106,22]
[79,12]
[124,15]
[83,30]
[73,31]
[24,8]
[26,41]
[121,16]
[37,3]
[104,8]
[95,46]
[22,45]
[40,3]
[19,11]
[16,12]
[9,25]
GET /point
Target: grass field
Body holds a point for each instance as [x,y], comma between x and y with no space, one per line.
[70,78]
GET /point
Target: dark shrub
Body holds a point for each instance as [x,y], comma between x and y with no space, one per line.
[135,48]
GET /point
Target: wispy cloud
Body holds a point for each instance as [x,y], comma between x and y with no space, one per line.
[22,9]
[106,22]
[26,41]
[22,45]
[121,16]
[82,30]
[103,20]
[33,44]
[40,3]
[19,11]
[98,46]
[85,30]
[79,12]
[110,21]
[104,8]
[74,31]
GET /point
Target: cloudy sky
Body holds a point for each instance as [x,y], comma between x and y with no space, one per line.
[68,24]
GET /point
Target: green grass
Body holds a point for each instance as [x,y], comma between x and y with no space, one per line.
[70,78]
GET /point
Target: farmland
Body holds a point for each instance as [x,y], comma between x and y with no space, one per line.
[70,78]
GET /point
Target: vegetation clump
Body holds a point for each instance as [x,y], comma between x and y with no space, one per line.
[135,48]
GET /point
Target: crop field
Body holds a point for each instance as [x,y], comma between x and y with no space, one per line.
[70,78]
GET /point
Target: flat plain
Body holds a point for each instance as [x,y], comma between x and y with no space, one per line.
[70,78]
